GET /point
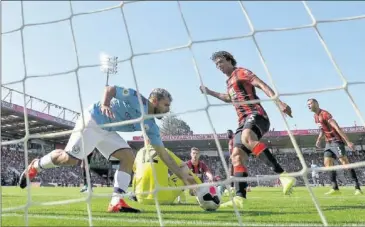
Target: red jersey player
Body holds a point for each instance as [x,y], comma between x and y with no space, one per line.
[253,121]
[198,167]
[335,144]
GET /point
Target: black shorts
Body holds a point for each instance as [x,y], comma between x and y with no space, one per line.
[257,123]
[335,150]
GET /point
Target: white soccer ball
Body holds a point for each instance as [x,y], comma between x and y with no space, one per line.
[208,198]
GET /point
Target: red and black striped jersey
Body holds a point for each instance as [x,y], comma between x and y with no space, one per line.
[240,88]
[321,120]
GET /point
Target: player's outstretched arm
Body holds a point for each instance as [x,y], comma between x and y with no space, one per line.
[221,96]
[335,126]
[257,82]
[319,139]
[109,93]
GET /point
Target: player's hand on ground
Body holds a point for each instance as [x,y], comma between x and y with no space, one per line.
[107,111]
[285,109]
[202,89]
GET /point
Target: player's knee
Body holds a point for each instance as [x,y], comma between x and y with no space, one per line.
[344,160]
[328,162]
[61,157]
[248,138]
[126,158]
[125,155]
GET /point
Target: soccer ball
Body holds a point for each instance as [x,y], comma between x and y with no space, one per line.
[208,198]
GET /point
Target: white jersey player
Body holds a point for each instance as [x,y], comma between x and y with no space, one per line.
[315,175]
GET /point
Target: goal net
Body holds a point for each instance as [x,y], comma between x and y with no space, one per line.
[134,54]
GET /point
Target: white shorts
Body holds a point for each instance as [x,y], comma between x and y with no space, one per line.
[82,143]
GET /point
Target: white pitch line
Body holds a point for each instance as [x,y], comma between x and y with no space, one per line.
[151,221]
[125,219]
[173,222]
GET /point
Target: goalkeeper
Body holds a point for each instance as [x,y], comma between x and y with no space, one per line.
[145,182]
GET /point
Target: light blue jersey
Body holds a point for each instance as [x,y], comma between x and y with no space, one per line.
[125,106]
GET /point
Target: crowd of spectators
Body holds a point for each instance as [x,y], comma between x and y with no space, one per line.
[12,165]
[12,158]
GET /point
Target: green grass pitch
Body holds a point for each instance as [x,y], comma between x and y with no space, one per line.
[264,207]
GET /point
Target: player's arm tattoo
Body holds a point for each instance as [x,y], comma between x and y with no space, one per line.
[221,96]
[109,93]
[335,126]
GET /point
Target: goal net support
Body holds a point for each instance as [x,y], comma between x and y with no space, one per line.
[122,7]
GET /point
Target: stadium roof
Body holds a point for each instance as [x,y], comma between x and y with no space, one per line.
[50,118]
[279,139]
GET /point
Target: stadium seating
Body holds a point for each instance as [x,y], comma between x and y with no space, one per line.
[13,164]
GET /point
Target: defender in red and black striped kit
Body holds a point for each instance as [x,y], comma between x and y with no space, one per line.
[198,167]
[335,144]
[253,121]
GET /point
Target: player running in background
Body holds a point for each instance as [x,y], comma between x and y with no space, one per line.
[335,144]
[83,167]
[144,180]
[119,104]
[253,121]
[315,174]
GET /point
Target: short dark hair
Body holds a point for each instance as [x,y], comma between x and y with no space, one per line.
[160,93]
[230,134]
[224,54]
[195,149]
[313,100]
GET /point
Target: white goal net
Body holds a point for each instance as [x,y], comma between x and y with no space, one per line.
[122,8]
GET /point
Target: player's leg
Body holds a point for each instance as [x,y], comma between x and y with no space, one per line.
[314,180]
[344,161]
[115,147]
[83,167]
[232,175]
[239,157]
[329,157]
[252,131]
[317,178]
[82,141]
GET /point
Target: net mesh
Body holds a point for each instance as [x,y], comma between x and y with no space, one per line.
[305,169]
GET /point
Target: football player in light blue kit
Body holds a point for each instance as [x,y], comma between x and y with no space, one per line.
[119,104]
